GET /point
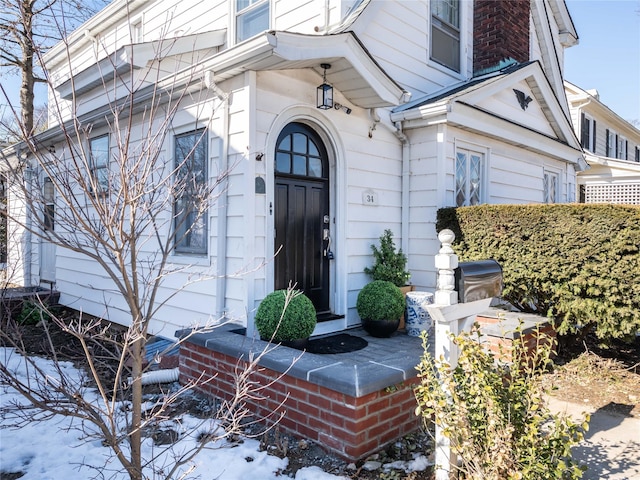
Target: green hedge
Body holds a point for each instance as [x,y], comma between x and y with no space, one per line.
[577,263]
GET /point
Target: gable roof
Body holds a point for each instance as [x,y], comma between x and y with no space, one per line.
[489,105]
[354,72]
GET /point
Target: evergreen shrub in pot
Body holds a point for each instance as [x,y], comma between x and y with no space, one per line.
[286,316]
[380,305]
[388,263]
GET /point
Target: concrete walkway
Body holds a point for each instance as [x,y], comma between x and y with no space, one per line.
[611,448]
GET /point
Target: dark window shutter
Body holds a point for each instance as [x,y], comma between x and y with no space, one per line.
[637,154]
[583,131]
[606,148]
[626,150]
[593,140]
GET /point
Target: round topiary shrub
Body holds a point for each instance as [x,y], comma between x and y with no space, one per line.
[297,322]
[380,300]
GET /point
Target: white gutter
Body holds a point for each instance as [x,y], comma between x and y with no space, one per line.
[221,239]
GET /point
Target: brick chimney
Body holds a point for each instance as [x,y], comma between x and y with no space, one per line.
[500,33]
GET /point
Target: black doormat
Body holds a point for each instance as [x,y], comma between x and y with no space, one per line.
[340,343]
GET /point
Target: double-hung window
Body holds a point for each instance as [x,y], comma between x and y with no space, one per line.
[190,214]
[445,33]
[551,187]
[469,177]
[252,17]
[49,197]
[99,163]
[622,148]
[588,133]
[611,144]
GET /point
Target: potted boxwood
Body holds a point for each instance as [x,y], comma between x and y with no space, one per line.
[286,316]
[380,305]
[391,265]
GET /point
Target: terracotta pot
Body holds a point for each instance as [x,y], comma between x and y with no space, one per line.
[380,328]
[406,289]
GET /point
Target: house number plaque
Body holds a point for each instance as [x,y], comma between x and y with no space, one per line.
[369,197]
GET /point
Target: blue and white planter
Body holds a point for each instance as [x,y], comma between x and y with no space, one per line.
[417,318]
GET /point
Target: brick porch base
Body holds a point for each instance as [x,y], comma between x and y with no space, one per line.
[348,403]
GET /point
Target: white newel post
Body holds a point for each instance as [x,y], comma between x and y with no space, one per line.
[451,318]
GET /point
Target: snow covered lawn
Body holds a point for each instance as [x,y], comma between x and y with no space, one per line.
[61,448]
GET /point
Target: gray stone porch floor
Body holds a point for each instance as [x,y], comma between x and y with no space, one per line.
[383,363]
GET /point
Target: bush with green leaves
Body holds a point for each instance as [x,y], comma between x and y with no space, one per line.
[285,315]
[380,300]
[495,415]
[388,263]
[32,313]
[576,263]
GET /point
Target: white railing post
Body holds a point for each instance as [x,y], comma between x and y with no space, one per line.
[451,318]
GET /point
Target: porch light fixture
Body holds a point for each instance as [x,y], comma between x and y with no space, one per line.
[325,91]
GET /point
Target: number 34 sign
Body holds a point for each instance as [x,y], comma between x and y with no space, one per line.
[369,197]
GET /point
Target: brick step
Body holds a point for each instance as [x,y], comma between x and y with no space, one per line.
[500,328]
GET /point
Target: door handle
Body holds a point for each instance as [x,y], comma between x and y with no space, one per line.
[327,251]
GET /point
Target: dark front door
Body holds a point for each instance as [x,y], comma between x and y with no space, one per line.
[302,222]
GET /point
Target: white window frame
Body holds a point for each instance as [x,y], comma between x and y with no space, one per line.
[612,143]
[446,27]
[99,163]
[468,187]
[551,180]
[247,10]
[622,148]
[137,30]
[183,229]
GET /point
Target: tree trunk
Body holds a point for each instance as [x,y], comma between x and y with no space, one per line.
[26,88]
[137,356]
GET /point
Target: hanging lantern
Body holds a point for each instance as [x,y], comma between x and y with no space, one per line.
[325,91]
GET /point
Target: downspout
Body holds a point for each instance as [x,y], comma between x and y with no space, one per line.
[396,129]
[326,16]
[404,228]
[221,244]
[28,247]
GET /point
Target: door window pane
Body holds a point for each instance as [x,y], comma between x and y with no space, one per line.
[283,162]
[297,153]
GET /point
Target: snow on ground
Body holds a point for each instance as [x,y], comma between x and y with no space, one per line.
[59,448]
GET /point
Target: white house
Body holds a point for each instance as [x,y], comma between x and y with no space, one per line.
[432,106]
[612,150]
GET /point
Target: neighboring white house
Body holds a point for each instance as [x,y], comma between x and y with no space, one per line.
[433,106]
[612,150]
